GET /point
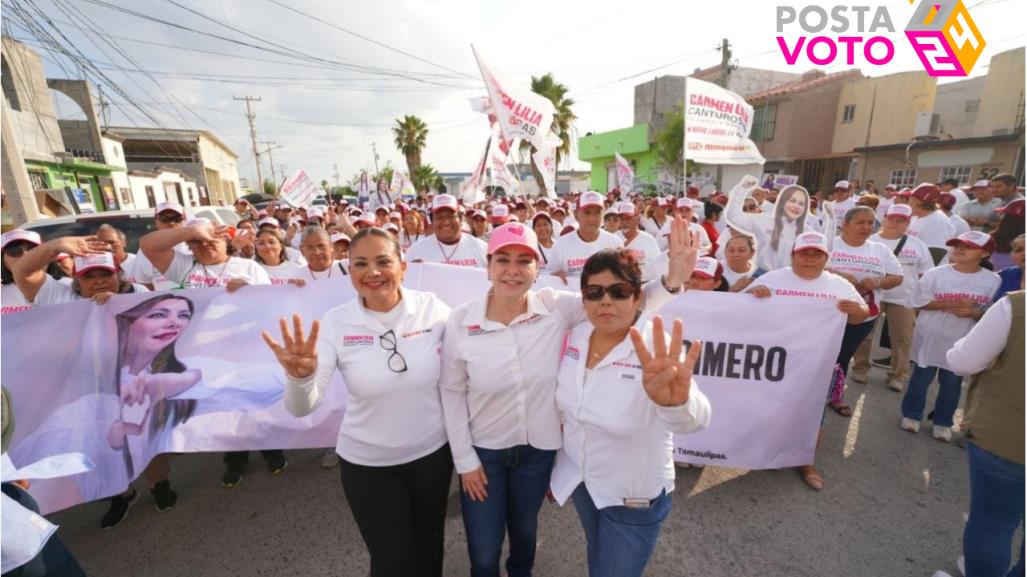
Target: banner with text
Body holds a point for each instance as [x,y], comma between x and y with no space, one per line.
[717,125]
[299,191]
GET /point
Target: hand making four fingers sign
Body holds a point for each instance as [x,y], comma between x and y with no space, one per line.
[666,377]
[298,356]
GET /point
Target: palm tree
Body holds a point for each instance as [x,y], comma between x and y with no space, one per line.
[411,135]
[563,118]
[426,177]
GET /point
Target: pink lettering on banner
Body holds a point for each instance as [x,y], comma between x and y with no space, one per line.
[357,340]
[801,293]
[15,309]
[278,281]
[463,262]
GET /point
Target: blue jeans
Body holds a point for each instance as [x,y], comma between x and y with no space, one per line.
[54,559]
[518,479]
[620,539]
[996,510]
[950,386]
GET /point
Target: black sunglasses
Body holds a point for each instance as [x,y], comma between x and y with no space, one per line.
[618,292]
[396,362]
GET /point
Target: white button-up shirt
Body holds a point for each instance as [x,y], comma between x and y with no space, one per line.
[390,417]
[615,438]
[498,381]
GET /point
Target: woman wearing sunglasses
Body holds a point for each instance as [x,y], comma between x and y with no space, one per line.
[498,360]
[15,244]
[620,406]
[395,464]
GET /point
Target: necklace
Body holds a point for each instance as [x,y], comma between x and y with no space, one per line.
[446,258]
[311,271]
[206,275]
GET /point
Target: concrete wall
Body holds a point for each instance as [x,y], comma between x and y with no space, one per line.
[1002,101]
[895,100]
[804,125]
[950,101]
[77,135]
[138,184]
[985,161]
[34,125]
[215,158]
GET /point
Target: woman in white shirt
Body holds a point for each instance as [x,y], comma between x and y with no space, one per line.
[808,278]
[270,254]
[542,224]
[738,267]
[871,268]
[621,407]
[396,464]
[15,244]
[498,360]
[951,298]
[774,232]
[413,229]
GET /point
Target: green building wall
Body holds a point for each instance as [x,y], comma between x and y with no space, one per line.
[632,143]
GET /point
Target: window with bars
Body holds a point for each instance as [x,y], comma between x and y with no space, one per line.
[763,123]
[903,177]
[960,173]
[848,113]
[38,180]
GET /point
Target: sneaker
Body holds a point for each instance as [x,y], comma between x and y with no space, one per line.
[118,510]
[897,386]
[232,478]
[941,574]
[884,363]
[860,378]
[910,425]
[330,459]
[276,467]
[942,433]
[163,497]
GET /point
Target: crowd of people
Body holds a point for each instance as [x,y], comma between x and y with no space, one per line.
[529,393]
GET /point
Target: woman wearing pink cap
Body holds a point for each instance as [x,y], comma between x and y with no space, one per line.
[499,356]
[97,275]
[809,278]
[708,275]
[951,298]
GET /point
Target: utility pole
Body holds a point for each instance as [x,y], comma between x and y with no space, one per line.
[253,136]
[271,160]
[336,174]
[375,151]
[725,78]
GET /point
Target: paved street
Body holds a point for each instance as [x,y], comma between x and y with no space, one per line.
[893,505]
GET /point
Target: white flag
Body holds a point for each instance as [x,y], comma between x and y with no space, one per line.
[521,113]
[471,192]
[717,126]
[545,162]
[625,174]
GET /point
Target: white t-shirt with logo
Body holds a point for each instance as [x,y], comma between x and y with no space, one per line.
[784,282]
[185,272]
[55,293]
[284,272]
[645,250]
[11,299]
[934,229]
[915,260]
[872,259]
[959,223]
[937,331]
[469,251]
[142,270]
[570,252]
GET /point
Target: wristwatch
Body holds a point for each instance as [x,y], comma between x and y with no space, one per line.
[673,291]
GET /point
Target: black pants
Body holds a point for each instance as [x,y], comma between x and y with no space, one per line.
[401,512]
[236,460]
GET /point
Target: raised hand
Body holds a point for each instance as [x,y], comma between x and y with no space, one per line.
[682,252]
[80,245]
[298,356]
[667,380]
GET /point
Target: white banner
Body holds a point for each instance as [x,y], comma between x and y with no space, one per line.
[299,191]
[521,113]
[545,162]
[717,125]
[625,174]
[766,376]
[767,387]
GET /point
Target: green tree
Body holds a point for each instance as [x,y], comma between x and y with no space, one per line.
[270,187]
[426,177]
[670,143]
[411,136]
[563,119]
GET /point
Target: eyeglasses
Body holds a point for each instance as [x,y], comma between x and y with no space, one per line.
[618,292]
[396,362]
[167,219]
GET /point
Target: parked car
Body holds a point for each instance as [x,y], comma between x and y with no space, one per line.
[134,223]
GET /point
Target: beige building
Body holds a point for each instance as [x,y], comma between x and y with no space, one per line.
[882,110]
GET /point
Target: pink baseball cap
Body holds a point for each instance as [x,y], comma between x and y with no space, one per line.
[22,235]
[391,227]
[974,239]
[313,213]
[84,264]
[811,240]
[268,221]
[542,214]
[169,205]
[366,218]
[902,210]
[444,201]
[1015,208]
[905,192]
[514,234]
[590,198]
[500,213]
[478,213]
[707,267]
[947,200]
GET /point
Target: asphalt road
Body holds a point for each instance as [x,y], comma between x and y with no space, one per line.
[894,505]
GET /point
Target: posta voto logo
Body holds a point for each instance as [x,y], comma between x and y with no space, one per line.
[942,33]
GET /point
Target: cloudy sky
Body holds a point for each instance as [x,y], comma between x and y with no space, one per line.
[333,76]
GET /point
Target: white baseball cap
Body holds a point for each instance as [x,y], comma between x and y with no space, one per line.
[981,184]
[903,210]
[444,201]
[500,211]
[169,205]
[626,208]
[366,218]
[19,234]
[198,222]
[842,184]
[590,198]
[268,220]
[391,227]
[811,240]
[105,260]
[315,212]
[707,267]
[339,237]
